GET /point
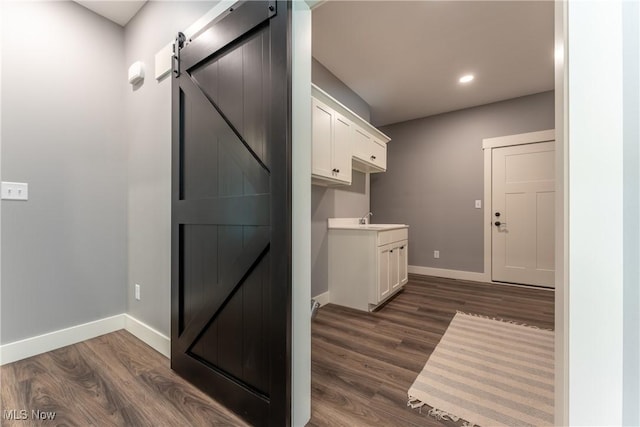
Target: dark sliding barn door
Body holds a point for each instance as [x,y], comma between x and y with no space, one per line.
[231,212]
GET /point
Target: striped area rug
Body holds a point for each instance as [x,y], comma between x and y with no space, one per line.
[489,372]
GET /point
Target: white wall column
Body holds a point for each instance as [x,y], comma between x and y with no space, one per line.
[595,144]
[631,117]
[301,215]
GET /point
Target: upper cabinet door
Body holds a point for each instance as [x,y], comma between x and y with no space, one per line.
[342,140]
[370,155]
[331,142]
[322,134]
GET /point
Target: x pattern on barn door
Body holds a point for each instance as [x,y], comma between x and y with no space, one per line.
[229,322]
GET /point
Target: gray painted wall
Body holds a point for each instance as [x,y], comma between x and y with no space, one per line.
[64,252]
[435,172]
[348,201]
[331,84]
[148,126]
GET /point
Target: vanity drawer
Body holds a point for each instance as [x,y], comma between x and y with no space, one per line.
[390,236]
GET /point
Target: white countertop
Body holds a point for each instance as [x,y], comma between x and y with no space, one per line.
[353,224]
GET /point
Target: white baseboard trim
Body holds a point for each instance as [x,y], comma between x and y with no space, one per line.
[145,333]
[18,350]
[466,275]
[322,298]
[33,346]
[449,274]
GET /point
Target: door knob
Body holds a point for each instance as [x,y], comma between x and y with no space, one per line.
[498,223]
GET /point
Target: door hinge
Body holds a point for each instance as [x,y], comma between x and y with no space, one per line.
[177,46]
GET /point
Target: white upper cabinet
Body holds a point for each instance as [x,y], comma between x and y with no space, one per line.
[369,154]
[332,135]
[343,141]
[342,148]
[322,123]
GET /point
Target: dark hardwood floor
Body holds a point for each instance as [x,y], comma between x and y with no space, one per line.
[362,365]
[112,380]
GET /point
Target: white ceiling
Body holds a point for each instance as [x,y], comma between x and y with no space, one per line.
[405,58]
[118,11]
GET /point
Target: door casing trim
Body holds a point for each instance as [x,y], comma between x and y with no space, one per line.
[488,144]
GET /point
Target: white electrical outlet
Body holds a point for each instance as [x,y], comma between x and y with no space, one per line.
[478,204]
[436,254]
[137,292]
[15,191]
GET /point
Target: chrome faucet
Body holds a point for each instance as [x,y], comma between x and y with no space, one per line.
[363,220]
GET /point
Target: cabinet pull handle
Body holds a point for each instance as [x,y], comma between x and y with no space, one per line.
[391,251]
[334,170]
[401,247]
[337,170]
[373,157]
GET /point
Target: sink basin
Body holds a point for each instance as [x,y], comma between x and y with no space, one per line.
[352,224]
[381,226]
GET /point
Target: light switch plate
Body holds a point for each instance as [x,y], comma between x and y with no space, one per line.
[15,191]
[478,204]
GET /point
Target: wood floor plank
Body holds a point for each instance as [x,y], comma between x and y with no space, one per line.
[344,359]
[393,399]
[346,365]
[112,380]
[362,365]
[358,411]
[127,371]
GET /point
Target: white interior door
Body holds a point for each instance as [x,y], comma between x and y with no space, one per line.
[523,211]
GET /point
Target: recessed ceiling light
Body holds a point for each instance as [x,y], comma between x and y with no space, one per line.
[466,79]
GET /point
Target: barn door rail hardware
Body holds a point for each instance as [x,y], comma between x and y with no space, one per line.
[177,46]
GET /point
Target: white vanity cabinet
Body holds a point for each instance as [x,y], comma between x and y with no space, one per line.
[367,264]
[342,141]
[332,134]
[392,269]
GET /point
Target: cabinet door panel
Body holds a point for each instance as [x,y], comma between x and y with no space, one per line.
[379,154]
[384,287]
[361,144]
[394,278]
[402,263]
[342,137]
[370,154]
[322,131]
